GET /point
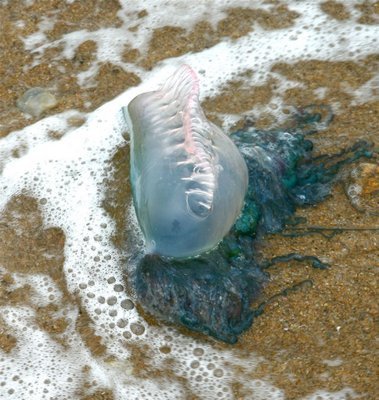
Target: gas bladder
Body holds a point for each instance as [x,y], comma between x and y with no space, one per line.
[188,178]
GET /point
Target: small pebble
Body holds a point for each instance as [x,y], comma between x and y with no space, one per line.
[363,188]
[36,101]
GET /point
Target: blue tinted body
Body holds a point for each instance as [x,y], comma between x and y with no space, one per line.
[188,178]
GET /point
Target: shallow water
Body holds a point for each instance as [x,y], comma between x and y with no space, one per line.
[69,326]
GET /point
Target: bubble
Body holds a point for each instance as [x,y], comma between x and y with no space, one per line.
[112,300]
[198,351]
[127,335]
[121,323]
[127,304]
[137,329]
[118,288]
[218,372]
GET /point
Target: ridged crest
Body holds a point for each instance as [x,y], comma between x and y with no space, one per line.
[178,119]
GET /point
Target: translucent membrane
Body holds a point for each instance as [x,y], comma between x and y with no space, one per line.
[188,178]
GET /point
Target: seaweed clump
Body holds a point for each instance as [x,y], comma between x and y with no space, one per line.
[213,293]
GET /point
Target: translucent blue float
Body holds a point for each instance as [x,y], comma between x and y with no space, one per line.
[188,178]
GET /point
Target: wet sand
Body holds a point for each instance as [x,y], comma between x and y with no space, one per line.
[321,336]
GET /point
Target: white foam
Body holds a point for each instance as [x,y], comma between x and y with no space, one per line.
[344,394]
[38,38]
[369,91]
[69,174]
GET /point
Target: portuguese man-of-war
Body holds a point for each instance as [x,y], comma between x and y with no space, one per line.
[188,178]
[202,198]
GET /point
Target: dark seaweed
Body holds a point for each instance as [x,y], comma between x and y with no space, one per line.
[213,293]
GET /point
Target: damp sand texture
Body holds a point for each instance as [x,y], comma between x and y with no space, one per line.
[69,324]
